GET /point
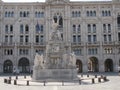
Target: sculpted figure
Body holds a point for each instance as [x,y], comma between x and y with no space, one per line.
[38,62]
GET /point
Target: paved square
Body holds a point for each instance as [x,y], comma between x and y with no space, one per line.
[112,84]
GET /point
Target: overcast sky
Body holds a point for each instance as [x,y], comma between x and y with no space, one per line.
[44,0]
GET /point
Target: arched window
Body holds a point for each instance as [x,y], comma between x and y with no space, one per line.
[91,13]
[79,14]
[103,14]
[39,14]
[74,28]
[26,29]
[42,28]
[76,14]
[72,13]
[109,28]
[6,14]
[27,14]
[104,28]
[42,14]
[94,28]
[24,14]
[106,14]
[36,15]
[12,14]
[9,15]
[109,13]
[94,13]
[11,28]
[21,15]
[89,28]
[6,28]
[79,28]
[88,13]
[21,28]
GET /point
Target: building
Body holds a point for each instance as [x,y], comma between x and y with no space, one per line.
[92,29]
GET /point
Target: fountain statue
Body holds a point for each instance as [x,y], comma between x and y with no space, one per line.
[55,64]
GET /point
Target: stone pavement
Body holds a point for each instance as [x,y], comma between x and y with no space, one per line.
[86,84]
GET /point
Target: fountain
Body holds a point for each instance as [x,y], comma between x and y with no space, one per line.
[56,64]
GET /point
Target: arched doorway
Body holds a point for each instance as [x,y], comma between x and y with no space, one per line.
[8,66]
[24,65]
[108,65]
[93,65]
[79,66]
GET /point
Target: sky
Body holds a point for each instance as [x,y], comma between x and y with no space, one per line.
[44,0]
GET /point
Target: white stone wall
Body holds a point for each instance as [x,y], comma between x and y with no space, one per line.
[65,8]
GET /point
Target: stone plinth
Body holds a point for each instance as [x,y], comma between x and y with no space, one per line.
[55,74]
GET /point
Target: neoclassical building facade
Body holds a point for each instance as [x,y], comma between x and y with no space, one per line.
[91,29]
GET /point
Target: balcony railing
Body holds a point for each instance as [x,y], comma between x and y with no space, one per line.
[77,44]
[40,44]
[23,44]
[8,44]
[109,43]
[93,43]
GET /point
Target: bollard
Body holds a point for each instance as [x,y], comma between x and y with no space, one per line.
[5,80]
[27,83]
[93,81]
[101,76]
[81,75]
[16,77]
[9,81]
[95,76]
[88,75]
[62,83]
[105,79]
[25,77]
[44,83]
[99,79]
[9,78]
[15,82]
[79,82]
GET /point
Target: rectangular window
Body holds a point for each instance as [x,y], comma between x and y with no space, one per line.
[109,28]
[74,38]
[104,28]
[105,38]
[6,28]
[21,29]
[109,38]
[26,39]
[21,39]
[118,36]
[89,28]
[79,38]
[11,28]
[94,38]
[6,39]
[41,39]
[11,39]
[37,39]
[89,39]
[94,28]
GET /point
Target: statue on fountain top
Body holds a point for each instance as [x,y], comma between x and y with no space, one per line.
[55,34]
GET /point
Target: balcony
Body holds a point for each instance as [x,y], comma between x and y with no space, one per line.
[93,43]
[7,44]
[77,44]
[23,44]
[40,44]
[117,43]
[108,43]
